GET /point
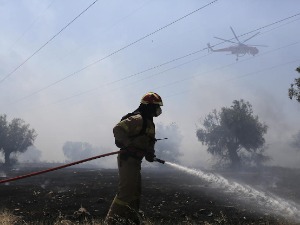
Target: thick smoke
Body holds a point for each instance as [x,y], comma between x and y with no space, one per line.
[168,149]
[31,155]
[295,143]
[75,151]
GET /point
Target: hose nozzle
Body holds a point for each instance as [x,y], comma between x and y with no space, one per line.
[159,160]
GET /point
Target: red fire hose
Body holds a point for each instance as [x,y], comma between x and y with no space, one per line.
[57,168]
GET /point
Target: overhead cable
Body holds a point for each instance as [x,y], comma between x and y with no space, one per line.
[186,78]
[263,27]
[40,48]
[161,72]
[30,26]
[228,65]
[146,70]
[238,77]
[121,49]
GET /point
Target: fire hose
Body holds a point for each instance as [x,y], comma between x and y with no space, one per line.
[67,165]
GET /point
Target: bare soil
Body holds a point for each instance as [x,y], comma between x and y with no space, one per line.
[169,196]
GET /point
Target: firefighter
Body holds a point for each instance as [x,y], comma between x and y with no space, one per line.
[135,136]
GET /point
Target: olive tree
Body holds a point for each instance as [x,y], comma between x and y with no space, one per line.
[233,134]
[74,151]
[15,136]
[294,90]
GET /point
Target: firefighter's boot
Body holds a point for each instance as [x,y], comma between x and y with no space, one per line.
[119,214]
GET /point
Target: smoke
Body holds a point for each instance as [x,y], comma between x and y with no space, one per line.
[295,143]
[168,149]
[75,151]
[32,155]
[2,174]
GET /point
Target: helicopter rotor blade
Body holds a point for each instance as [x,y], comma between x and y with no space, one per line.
[250,37]
[225,40]
[235,35]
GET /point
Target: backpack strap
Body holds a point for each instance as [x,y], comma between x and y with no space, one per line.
[144,126]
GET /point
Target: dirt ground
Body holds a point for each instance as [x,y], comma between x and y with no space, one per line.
[169,196]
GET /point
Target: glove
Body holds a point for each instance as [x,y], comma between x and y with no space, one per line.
[150,156]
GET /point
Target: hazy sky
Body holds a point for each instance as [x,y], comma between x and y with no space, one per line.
[72,72]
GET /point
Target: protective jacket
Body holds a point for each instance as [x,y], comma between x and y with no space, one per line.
[128,134]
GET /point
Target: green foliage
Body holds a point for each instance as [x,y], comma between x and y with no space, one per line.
[15,136]
[294,90]
[228,132]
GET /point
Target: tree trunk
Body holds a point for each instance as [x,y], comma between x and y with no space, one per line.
[234,158]
[7,159]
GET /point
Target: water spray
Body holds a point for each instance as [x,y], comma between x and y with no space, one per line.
[268,201]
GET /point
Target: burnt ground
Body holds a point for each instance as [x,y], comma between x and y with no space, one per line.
[169,196]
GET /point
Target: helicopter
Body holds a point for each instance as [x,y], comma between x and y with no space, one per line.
[239,49]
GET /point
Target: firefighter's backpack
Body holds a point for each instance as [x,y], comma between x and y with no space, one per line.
[143,130]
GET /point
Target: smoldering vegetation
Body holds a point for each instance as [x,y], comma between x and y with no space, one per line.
[76,150]
[31,155]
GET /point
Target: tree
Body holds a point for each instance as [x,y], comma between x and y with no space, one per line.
[234,134]
[3,130]
[16,136]
[169,149]
[294,90]
[75,151]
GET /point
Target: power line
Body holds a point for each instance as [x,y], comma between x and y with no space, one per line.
[151,68]
[263,27]
[163,64]
[182,57]
[116,81]
[30,26]
[120,20]
[161,72]
[279,21]
[39,49]
[225,66]
[262,70]
[241,76]
[119,50]
[191,77]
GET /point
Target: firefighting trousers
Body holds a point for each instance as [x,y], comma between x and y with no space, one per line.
[125,205]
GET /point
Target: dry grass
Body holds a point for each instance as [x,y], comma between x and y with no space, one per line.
[7,218]
[68,222]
